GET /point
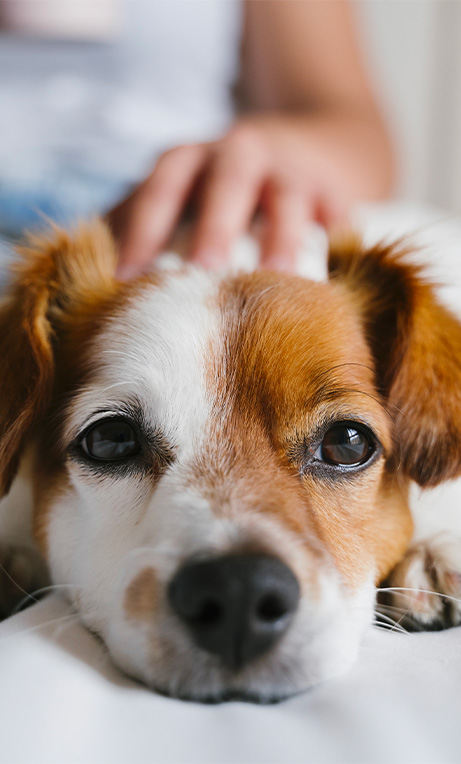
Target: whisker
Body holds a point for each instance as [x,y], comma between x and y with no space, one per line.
[389,627]
[422,591]
[388,622]
[393,608]
[61,619]
[15,583]
[42,590]
[395,625]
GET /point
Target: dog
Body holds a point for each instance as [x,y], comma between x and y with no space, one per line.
[218,466]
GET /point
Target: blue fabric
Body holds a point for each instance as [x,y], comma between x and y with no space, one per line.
[63,197]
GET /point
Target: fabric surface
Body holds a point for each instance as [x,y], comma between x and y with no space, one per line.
[63,701]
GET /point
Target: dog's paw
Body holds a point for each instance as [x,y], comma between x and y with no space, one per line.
[22,572]
[425,587]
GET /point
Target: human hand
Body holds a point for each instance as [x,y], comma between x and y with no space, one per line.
[288,168]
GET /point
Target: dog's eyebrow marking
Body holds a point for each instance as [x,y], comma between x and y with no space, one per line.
[324,372]
[331,393]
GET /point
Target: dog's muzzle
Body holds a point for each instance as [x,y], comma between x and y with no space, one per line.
[235,606]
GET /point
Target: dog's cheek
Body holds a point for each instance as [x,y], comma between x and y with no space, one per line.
[58,535]
[49,486]
[85,531]
[391,529]
[365,522]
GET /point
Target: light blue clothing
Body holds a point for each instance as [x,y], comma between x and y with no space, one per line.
[80,122]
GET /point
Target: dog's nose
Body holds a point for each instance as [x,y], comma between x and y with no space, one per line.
[235,606]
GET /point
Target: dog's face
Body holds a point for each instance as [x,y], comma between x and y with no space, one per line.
[221,474]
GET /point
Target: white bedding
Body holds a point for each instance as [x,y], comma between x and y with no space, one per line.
[61,699]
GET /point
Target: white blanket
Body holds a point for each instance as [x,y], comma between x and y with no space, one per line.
[62,700]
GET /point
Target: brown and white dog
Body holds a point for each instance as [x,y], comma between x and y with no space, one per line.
[219,466]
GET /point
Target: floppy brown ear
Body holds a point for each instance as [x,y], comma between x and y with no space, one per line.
[416,344]
[55,271]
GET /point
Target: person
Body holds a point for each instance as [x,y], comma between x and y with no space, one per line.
[311,143]
[86,120]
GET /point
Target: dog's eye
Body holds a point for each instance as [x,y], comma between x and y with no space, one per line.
[110,440]
[347,445]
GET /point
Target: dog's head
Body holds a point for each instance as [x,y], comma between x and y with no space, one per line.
[222,463]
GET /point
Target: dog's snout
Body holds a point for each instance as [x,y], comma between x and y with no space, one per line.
[235,606]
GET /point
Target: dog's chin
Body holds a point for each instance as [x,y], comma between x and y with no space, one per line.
[206,695]
[231,696]
[255,689]
[214,690]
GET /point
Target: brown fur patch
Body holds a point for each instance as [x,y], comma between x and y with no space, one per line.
[57,272]
[141,595]
[416,344]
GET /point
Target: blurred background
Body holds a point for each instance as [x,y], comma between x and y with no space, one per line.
[63,92]
[413,47]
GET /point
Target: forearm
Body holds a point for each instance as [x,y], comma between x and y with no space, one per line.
[302,60]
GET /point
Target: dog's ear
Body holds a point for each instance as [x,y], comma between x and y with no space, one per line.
[416,344]
[55,273]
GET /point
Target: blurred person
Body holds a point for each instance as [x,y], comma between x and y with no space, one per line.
[107,86]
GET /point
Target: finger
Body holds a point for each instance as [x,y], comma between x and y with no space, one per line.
[231,193]
[331,213]
[156,206]
[285,209]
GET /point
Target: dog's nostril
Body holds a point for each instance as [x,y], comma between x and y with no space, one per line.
[271,608]
[209,614]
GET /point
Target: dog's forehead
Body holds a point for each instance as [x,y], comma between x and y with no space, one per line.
[194,341]
[153,349]
[264,323]
[164,328]
[286,337]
